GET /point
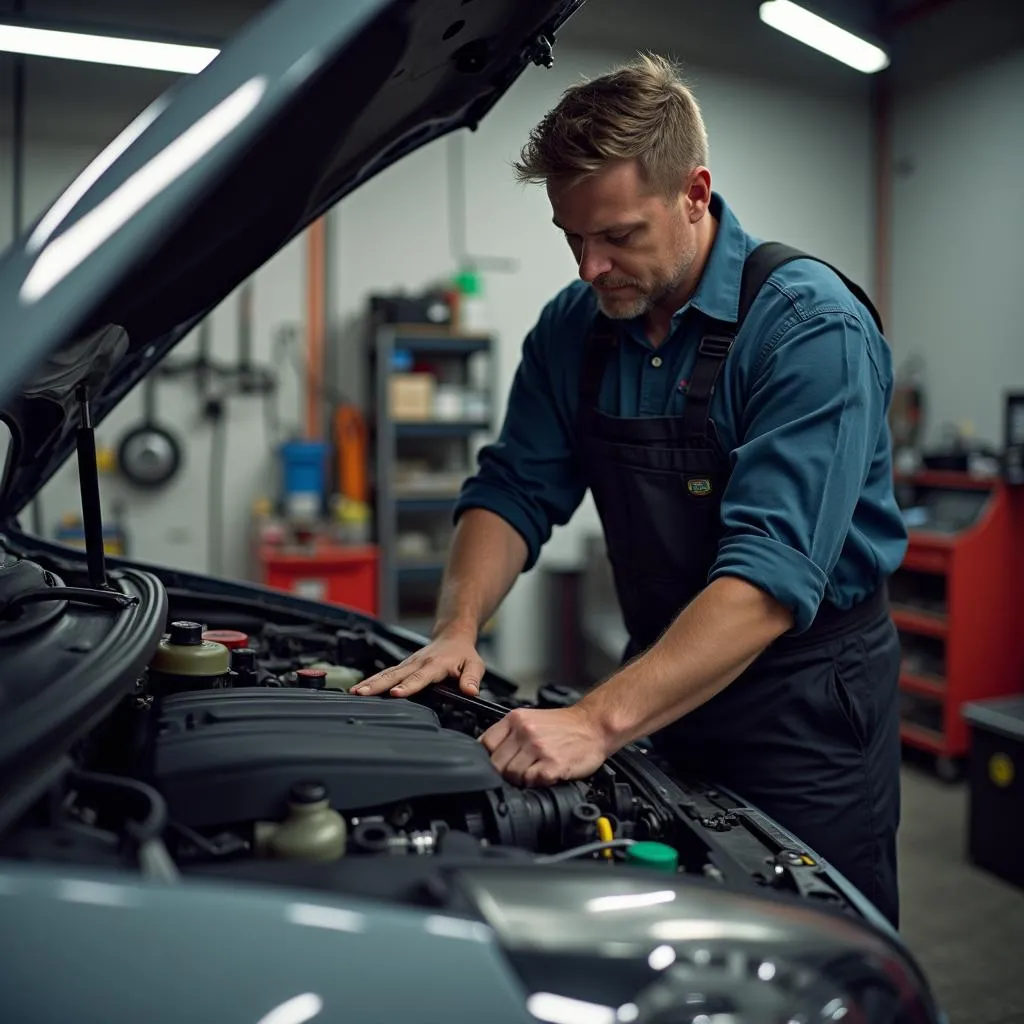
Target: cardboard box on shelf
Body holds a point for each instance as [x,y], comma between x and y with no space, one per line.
[411,396]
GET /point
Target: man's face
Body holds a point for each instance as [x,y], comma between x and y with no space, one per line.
[633,247]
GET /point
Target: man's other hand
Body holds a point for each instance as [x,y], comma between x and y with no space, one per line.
[539,747]
[449,656]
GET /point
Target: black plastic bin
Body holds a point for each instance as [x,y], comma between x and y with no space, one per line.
[996,778]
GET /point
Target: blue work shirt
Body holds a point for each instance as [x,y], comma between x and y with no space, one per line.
[801,408]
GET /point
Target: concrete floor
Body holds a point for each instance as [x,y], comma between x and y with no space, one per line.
[965,926]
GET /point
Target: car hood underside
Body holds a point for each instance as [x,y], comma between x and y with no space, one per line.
[313,99]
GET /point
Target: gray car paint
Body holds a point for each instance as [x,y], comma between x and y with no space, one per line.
[88,947]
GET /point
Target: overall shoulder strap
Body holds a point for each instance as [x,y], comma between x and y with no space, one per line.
[715,346]
[768,257]
[601,341]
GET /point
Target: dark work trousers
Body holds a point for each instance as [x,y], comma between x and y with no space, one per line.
[811,738]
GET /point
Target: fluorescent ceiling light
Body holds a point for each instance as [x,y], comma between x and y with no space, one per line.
[85,236]
[812,30]
[129,53]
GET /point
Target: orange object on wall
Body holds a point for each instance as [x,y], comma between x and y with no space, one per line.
[333,573]
[350,444]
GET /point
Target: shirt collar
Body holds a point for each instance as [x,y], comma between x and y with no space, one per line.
[718,293]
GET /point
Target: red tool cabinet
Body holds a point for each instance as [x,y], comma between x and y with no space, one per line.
[956,601]
[338,574]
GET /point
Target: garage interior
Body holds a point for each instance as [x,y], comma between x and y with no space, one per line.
[312,432]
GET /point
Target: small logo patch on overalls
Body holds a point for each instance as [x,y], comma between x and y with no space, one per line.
[700,486]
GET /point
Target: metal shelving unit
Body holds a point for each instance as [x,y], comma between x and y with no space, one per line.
[409,582]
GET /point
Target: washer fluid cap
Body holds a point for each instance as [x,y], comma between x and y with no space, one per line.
[653,855]
[307,793]
[186,634]
[232,639]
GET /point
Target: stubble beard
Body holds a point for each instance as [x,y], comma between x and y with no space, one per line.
[628,308]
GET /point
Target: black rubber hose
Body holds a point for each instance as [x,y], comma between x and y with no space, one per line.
[583,851]
[78,595]
[141,830]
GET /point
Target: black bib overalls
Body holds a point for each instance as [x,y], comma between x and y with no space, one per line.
[809,733]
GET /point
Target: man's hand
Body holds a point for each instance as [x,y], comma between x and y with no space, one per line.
[450,656]
[539,747]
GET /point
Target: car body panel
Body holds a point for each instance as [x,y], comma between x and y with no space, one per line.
[95,948]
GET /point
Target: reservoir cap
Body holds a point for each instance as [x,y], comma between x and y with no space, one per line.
[186,634]
[232,639]
[653,855]
[314,678]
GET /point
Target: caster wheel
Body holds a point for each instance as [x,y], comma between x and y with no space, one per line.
[949,769]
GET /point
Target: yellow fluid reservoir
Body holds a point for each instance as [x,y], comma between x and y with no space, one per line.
[311,830]
[185,661]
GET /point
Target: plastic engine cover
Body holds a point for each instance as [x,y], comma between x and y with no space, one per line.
[232,755]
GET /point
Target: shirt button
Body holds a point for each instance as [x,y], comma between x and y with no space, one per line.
[656,362]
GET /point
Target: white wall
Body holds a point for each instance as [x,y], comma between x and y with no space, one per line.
[172,525]
[957,257]
[794,167]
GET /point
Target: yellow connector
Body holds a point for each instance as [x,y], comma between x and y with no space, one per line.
[605,834]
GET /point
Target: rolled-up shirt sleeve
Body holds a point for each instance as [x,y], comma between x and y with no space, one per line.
[530,475]
[810,427]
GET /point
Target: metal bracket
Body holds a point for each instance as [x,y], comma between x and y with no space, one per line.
[542,51]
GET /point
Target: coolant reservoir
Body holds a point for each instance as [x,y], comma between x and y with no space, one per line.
[311,830]
[338,676]
[185,661]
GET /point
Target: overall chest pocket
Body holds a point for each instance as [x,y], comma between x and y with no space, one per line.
[659,497]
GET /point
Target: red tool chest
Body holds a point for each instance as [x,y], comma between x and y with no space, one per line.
[955,601]
[338,574]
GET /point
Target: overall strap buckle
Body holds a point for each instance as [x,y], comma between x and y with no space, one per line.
[715,346]
[711,355]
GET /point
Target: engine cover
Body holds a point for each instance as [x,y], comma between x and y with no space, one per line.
[232,755]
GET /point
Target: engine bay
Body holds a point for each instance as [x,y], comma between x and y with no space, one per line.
[237,751]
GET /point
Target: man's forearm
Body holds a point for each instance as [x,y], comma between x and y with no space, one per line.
[710,643]
[486,557]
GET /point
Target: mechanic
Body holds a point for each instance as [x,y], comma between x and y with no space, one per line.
[733,432]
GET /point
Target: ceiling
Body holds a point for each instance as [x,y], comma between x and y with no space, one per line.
[927,40]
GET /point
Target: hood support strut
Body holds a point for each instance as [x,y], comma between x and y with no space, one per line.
[89,486]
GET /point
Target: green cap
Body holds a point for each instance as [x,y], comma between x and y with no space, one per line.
[653,855]
[468,282]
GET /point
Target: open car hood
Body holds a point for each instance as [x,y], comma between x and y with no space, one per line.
[312,99]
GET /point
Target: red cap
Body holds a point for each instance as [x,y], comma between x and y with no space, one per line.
[312,677]
[230,638]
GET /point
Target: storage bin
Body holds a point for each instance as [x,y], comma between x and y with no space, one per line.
[996,779]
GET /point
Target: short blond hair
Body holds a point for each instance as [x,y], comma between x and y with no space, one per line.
[641,111]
